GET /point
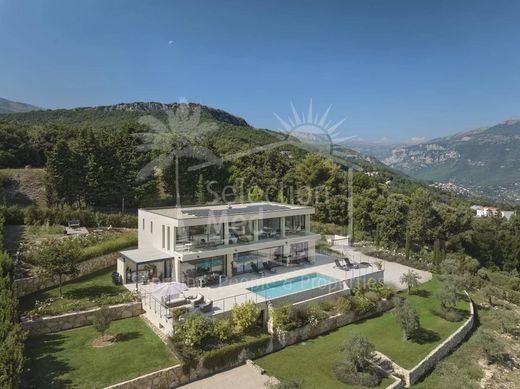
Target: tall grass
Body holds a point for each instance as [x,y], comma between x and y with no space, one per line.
[128,239]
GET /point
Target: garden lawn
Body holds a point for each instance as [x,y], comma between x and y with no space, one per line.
[67,359]
[314,359]
[79,293]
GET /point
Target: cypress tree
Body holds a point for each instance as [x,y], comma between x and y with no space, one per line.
[407,245]
[200,190]
[12,335]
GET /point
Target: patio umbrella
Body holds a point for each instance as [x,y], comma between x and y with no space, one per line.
[169,290]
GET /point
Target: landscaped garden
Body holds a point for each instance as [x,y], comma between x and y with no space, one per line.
[313,361]
[86,292]
[218,343]
[68,358]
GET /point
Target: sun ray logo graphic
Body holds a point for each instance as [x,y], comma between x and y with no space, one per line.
[313,128]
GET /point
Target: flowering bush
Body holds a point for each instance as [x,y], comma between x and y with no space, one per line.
[193,331]
[315,315]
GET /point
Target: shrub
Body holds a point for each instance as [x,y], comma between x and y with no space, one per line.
[102,319]
[178,312]
[343,304]
[315,314]
[222,330]
[282,317]
[386,292]
[372,296]
[363,305]
[227,355]
[194,331]
[327,306]
[188,356]
[245,316]
[355,368]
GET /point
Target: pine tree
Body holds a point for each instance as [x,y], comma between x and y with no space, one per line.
[63,177]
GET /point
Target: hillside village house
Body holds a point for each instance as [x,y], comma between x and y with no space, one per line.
[204,244]
[482,211]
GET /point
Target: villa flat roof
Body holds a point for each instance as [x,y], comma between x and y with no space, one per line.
[224,210]
[139,256]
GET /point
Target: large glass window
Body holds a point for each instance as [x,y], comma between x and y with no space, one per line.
[247,261]
[299,252]
[202,268]
[269,228]
[295,225]
[203,236]
[241,231]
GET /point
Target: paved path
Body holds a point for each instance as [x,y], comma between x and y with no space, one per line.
[393,270]
[243,377]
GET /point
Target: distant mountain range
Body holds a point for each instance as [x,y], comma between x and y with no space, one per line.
[485,160]
[112,116]
[8,106]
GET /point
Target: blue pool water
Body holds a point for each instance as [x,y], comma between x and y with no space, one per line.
[292,285]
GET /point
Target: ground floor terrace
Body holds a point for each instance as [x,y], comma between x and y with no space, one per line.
[280,285]
[211,266]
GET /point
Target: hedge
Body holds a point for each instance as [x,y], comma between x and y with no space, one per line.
[87,218]
[227,355]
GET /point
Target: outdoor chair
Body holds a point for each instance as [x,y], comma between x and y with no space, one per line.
[256,269]
[339,265]
[198,300]
[206,306]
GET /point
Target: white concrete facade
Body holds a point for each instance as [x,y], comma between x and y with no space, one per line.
[185,244]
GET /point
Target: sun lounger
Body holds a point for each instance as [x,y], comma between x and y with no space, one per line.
[269,267]
[256,269]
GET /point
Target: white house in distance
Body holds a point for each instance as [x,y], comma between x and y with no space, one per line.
[202,244]
[482,211]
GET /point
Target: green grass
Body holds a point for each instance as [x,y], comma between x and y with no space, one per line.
[313,360]
[123,241]
[67,360]
[78,294]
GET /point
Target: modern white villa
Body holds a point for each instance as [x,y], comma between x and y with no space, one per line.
[201,245]
[223,255]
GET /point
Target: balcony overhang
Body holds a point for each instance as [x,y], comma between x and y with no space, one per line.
[195,254]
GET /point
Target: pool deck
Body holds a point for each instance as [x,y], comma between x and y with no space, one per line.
[234,290]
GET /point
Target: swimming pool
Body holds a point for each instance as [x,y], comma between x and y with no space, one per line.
[292,285]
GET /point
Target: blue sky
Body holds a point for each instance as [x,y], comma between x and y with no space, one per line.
[396,69]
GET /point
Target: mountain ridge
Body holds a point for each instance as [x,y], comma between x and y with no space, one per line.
[9,106]
[485,160]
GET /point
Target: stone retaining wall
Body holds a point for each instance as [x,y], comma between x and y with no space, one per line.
[287,338]
[429,362]
[397,384]
[25,286]
[67,321]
